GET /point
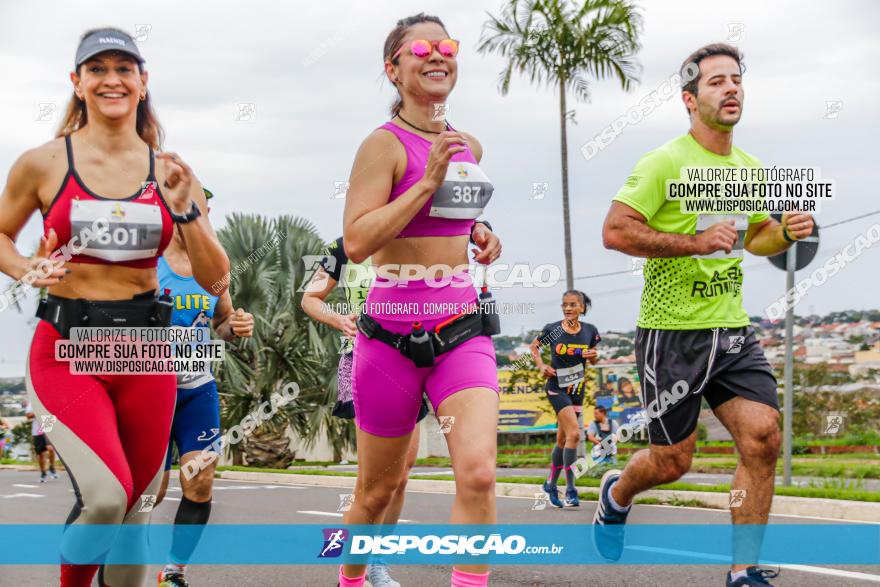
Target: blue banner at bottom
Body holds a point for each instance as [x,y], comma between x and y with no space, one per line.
[522,544]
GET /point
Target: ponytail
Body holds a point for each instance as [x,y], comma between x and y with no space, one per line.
[585,299]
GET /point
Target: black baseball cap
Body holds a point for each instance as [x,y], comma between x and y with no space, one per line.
[107,39]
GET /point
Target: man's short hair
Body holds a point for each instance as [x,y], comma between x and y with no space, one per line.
[690,69]
[602,409]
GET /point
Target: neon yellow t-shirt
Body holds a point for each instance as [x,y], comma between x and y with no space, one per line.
[686,293]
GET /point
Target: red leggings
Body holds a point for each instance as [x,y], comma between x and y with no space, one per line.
[111,432]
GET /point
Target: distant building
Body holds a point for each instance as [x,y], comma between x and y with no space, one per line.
[864,361]
[828,349]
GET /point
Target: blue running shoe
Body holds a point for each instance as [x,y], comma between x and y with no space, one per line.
[755,576]
[553,493]
[609,524]
[571,498]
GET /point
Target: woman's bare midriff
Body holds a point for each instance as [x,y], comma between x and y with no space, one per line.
[447,252]
[104,282]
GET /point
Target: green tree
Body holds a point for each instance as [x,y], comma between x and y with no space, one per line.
[565,44]
[267,259]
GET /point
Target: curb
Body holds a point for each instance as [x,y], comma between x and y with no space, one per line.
[23,467]
[783,505]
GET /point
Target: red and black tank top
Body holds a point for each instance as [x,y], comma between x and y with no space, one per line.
[130,232]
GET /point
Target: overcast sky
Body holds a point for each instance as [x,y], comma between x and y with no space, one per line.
[312,71]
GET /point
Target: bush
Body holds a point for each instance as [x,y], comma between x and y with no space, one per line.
[702,431]
[21,434]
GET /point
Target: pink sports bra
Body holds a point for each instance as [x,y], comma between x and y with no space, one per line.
[451,210]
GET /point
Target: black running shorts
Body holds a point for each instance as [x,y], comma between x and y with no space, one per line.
[679,367]
[560,398]
[40,444]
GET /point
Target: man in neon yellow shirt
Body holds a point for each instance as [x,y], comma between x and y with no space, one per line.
[693,338]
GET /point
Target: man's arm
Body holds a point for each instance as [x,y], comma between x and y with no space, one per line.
[627,231]
[767,238]
[592,436]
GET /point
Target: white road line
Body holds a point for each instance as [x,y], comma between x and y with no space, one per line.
[222,487]
[314,513]
[338,515]
[26,486]
[834,572]
[252,485]
[802,568]
[171,498]
[11,495]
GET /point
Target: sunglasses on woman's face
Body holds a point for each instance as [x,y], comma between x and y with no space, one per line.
[423,49]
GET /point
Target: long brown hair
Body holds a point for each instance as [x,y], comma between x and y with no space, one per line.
[395,38]
[148,128]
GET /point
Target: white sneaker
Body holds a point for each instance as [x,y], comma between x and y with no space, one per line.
[378,576]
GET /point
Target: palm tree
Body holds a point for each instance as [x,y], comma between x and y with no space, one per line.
[266,256]
[563,44]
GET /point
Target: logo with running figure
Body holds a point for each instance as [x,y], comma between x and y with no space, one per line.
[47,422]
[148,502]
[245,112]
[735,31]
[737,497]
[445,424]
[833,108]
[441,111]
[46,112]
[735,344]
[540,189]
[833,423]
[340,189]
[142,32]
[334,542]
[345,502]
[541,501]
[148,190]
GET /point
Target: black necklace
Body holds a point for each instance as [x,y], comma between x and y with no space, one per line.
[430,132]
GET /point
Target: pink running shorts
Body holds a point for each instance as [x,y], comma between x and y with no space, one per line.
[387,387]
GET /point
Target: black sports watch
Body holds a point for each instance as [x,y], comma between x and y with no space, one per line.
[486,222]
[193,213]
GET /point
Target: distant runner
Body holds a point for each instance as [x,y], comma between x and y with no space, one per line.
[572,345]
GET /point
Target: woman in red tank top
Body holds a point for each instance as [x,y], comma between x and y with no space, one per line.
[109,208]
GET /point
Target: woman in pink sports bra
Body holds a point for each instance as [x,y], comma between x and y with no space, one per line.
[415,190]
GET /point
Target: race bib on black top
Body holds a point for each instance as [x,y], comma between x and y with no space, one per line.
[133,231]
[463,194]
[566,376]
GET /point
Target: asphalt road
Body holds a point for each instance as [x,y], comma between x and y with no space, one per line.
[24,500]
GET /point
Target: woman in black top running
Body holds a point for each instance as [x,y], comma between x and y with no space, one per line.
[572,344]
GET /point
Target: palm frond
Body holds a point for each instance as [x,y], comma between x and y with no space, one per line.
[552,40]
[266,256]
